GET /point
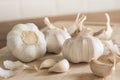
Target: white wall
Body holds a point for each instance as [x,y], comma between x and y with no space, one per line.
[20,9]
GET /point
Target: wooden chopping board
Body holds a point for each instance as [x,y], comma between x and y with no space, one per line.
[79,71]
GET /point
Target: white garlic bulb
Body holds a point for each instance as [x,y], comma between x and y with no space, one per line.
[61,66]
[26,42]
[105,33]
[82,48]
[55,37]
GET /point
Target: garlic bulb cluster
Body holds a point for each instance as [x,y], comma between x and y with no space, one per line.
[55,37]
[26,42]
[105,33]
[83,47]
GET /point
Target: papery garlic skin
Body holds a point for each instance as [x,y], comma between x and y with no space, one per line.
[61,66]
[82,48]
[26,42]
[101,69]
[6,73]
[55,37]
[13,65]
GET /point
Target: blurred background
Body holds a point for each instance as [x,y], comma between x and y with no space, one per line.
[25,9]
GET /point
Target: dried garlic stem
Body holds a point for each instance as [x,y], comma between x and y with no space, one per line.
[47,22]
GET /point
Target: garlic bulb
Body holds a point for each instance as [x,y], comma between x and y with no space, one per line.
[83,47]
[101,69]
[105,33]
[26,42]
[61,66]
[47,63]
[55,37]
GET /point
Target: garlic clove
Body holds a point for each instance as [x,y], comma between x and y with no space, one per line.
[6,73]
[47,63]
[107,32]
[101,69]
[14,65]
[61,66]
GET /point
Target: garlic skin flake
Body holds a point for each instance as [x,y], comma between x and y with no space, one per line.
[105,33]
[101,69]
[61,66]
[47,63]
[14,65]
[55,37]
[26,42]
[6,73]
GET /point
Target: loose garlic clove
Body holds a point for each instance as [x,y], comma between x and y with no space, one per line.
[14,65]
[101,69]
[6,73]
[47,63]
[61,66]
[105,33]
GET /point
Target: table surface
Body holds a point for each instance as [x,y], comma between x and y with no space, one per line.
[80,71]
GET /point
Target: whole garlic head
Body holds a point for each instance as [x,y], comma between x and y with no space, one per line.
[26,42]
[82,48]
[55,37]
